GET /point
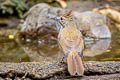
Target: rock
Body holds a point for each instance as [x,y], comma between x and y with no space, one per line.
[41,15]
[93,24]
[46,70]
[102,77]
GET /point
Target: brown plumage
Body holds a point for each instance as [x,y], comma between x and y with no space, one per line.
[75,64]
[71,42]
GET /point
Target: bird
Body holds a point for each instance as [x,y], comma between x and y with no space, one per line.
[70,41]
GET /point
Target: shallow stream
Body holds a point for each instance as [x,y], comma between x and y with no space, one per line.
[13,50]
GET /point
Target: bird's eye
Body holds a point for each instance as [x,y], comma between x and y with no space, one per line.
[61,18]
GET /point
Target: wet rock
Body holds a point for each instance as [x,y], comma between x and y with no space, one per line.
[102,77]
[93,24]
[41,15]
[46,70]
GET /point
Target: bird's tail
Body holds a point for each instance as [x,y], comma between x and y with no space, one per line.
[75,64]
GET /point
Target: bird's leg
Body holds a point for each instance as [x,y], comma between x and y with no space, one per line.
[81,54]
[62,59]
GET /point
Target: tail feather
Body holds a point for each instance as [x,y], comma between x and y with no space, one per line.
[75,64]
[71,64]
[79,65]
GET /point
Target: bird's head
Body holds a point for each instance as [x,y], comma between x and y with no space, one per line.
[65,20]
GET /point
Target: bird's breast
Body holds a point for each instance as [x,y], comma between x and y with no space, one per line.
[70,32]
[70,36]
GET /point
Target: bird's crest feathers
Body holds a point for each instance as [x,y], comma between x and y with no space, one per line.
[68,14]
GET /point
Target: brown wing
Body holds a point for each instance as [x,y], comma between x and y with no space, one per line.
[80,47]
[62,44]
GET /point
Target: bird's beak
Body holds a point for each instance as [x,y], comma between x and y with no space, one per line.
[58,25]
[56,18]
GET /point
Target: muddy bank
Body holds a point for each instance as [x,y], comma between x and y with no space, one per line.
[46,70]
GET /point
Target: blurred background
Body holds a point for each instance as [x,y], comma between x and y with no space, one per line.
[26,49]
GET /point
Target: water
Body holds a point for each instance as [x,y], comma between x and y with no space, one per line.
[37,51]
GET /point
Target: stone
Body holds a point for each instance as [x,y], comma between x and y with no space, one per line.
[42,15]
[93,24]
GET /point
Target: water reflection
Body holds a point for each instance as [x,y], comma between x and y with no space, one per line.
[36,51]
[97,47]
[39,52]
[10,51]
[49,52]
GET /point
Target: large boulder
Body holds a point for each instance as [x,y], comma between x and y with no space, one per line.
[93,24]
[41,16]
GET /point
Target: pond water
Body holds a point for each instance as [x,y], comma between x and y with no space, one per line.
[36,51]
